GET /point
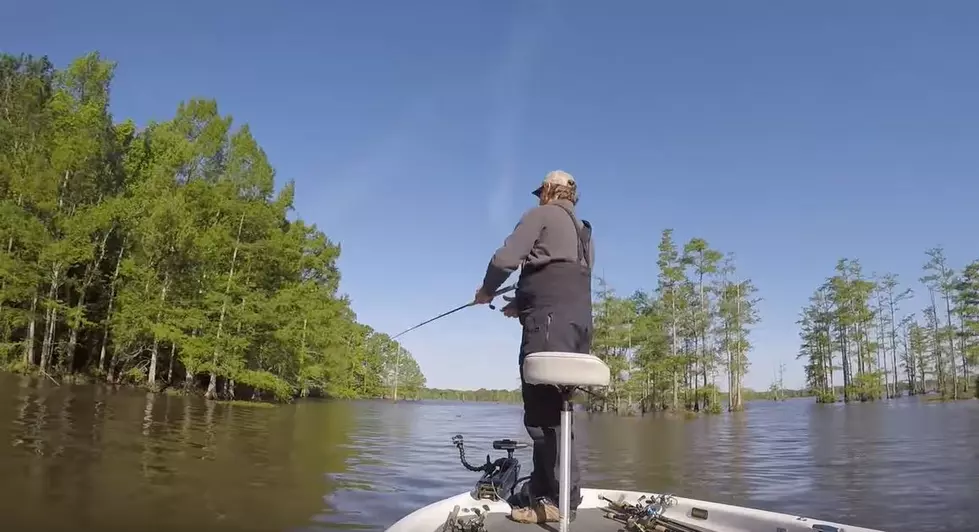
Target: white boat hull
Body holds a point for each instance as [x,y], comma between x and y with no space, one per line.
[719,517]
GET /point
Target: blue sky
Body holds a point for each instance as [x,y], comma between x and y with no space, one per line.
[789,133]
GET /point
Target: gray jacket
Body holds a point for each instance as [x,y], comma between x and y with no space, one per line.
[543,234]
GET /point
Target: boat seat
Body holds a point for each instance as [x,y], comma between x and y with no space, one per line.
[565,369]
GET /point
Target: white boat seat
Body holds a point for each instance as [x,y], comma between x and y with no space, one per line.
[565,369]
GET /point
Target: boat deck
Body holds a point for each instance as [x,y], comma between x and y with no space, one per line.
[590,520]
[463,513]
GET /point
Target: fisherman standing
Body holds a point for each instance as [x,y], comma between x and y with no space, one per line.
[554,250]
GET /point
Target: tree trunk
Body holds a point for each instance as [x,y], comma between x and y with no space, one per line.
[881,348]
[738,355]
[3,284]
[730,369]
[701,339]
[108,314]
[173,352]
[303,387]
[939,363]
[962,353]
[845,361]
[894,343]
[90,270]
[951,339]
[154,352]
[673,349]
[211,391]
[61,193]
[47,347]
[70,355]
[29,344]
[212,386]
[911,366]
[829,371]
[46,342]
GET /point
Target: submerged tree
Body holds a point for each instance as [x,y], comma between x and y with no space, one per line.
[940,279]
[851,318]
[678,340]
[967,309]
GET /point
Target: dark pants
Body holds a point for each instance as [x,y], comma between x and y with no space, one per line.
[551,329]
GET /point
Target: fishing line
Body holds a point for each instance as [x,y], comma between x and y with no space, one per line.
[501,291]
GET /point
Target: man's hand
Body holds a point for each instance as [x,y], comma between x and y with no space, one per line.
[510,310]
[482,298]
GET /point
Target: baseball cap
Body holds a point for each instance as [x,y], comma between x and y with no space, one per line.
[555,177]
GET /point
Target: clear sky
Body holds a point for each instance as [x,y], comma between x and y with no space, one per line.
[789,133]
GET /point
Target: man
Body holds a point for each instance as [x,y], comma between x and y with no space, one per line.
[553,302]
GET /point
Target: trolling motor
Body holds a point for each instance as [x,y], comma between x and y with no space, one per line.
[500,476]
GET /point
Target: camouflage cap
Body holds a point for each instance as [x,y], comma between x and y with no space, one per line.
[555,177]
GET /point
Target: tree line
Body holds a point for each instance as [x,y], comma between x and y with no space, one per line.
[861,326]
[515,397]
[668,347]
[482,395]
[163,255]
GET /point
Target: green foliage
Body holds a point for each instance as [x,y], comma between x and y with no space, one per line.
[846,315]
[162,255]
[967,309]
[402,376]
[852,324]
[482,394]
[678,339]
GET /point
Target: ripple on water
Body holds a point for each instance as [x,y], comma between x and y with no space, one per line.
[95,458]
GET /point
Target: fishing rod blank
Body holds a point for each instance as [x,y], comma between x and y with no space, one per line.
[457,309]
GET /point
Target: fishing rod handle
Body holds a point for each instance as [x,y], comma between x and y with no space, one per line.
[505,289]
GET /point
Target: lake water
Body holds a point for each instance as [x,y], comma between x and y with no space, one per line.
[93,458]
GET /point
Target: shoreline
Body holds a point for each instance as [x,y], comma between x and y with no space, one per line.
[57,379]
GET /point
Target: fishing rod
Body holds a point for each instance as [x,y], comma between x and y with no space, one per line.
[499,292]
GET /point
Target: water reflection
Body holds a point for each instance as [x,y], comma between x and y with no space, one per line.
[93,457]
[89,457]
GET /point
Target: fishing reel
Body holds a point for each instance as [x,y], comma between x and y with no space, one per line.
[646,515]
[500,476]
[507,300]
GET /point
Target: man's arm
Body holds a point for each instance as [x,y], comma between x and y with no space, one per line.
[515,249]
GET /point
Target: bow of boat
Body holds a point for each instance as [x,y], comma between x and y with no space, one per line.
[603,510]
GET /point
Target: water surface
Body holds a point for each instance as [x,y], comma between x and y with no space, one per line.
[94,458]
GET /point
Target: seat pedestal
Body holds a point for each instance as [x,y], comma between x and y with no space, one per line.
[564,503]
[567,371]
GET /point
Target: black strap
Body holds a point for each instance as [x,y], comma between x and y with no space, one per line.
[582,256]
